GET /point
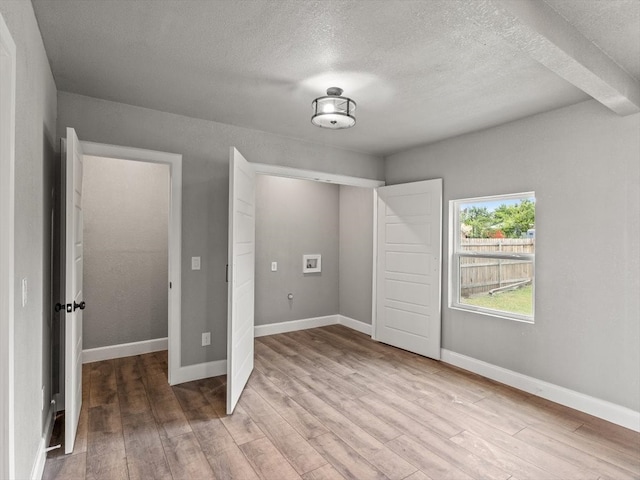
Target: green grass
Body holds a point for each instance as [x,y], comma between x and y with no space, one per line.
[514,301]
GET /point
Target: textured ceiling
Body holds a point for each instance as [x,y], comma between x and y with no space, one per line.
[420,71]
[613,25]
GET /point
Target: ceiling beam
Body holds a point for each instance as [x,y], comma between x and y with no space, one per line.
[536,29]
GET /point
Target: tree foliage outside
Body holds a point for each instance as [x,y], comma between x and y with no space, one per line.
[510,221]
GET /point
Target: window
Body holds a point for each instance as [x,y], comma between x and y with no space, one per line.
[491,268]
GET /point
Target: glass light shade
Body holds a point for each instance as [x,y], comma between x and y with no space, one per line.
[333,111]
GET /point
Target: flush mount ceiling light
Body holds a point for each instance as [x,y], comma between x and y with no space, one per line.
[333,111]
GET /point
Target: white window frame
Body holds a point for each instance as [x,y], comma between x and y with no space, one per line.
[455,254]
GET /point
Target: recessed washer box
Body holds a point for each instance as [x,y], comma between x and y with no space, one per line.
[312,263]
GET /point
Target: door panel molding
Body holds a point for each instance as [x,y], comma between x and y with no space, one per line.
[408,271]
[241,270]
[72,251]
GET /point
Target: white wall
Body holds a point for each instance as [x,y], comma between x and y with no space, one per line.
[583,162]
[293,218]
[35,155]
[205,149]
[126,214]
[356,252]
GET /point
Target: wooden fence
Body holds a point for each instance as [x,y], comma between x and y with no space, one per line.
[479,275]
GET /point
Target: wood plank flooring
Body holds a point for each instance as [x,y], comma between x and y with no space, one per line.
[329,403]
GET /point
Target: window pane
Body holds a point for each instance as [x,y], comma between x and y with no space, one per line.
[495,220]
[488,233]
[497,284]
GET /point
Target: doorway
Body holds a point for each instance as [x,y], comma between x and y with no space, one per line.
[71,266]
[174,162]
[340,180]
[241,260]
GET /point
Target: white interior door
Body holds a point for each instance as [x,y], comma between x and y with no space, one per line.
[241,276]
[409,249]
[73,259]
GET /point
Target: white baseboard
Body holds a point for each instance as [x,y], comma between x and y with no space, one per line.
[294,325]
[199,371]
[354,324]
[315,322]
[611,412]
[124,350]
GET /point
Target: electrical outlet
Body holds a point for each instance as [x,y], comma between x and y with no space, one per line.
[195,263]
[274,266]
[206,339]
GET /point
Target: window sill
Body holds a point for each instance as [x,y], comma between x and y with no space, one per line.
[493,313]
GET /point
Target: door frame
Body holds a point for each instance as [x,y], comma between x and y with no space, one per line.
[174,161]
[7,250]
[316,176]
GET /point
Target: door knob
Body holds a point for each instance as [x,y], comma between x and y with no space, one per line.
[80,305]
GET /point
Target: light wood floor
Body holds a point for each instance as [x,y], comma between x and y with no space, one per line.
[329,403]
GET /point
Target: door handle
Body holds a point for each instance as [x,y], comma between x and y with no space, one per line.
[68,308]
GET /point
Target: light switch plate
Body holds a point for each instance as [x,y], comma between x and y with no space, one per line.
[24,292]
[274,266]
[195,263]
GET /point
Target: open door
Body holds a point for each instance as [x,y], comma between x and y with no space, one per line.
[241,276]
[409,250]
[72,261]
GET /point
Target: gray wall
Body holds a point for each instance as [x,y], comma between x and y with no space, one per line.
[205,149]
[294,217]
[356,252]
[583,162]
[126,213]
[35,156]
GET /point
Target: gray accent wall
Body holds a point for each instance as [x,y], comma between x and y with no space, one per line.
[205,193]
[583,162]
[293,218]
[34,167]
[126,213]
[356,252]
